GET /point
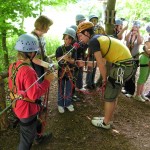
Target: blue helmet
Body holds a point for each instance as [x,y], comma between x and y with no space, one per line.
[71,32]
[27,43]
[136,23]
[80,17]
[74,27]
[148,27]
[92,16]
[118,22]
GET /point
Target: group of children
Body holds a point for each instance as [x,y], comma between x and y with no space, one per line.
[84,43]
[133,41]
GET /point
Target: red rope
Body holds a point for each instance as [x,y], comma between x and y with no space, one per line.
[43,118]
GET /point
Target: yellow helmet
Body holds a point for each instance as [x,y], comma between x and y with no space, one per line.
[84,25]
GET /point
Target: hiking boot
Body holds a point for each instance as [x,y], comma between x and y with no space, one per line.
[139,98]
[100,124]
[101,118]
[61,109]
[144,97]
[70,108]
[43,138]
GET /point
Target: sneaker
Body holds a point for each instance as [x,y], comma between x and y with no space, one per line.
[99,123]
[144,97]
[148,95]
[128,95]
[123,91]
[139,98]
[101,118]
[82,89]
[75,98]
[98,118]
[43,138]
[70,108]
[61,109]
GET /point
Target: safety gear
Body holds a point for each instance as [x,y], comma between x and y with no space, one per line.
[148,28]
[118,22]
[92,16]
[74,27]
[27,43]
[71,32]
[80,17]
[136,23]
[83,26]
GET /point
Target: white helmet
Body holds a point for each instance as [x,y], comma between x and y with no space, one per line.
[71,32]
[27,43]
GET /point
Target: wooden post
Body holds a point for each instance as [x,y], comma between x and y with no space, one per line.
[109,26]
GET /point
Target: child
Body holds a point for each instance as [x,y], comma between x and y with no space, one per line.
[118,29]
[90,78]
[65,62]
[133,42]
[144,61]
[21,77]
[148,31]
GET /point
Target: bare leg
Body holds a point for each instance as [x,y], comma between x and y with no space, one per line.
[139,89]
[109,110]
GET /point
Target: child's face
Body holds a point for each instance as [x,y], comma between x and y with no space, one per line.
[94,21]
[119,27]
[135,29]
[67,40]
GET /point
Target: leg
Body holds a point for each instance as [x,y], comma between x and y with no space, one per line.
[27,133]
[109,110]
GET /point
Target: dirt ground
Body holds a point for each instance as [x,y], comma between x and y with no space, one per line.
[74,131]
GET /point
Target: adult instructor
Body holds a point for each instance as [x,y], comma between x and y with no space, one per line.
[109,49]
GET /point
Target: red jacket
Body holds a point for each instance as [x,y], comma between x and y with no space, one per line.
[25,77]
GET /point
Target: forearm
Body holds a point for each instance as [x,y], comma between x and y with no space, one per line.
[139,39]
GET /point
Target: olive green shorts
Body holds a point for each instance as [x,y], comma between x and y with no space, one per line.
[113,88]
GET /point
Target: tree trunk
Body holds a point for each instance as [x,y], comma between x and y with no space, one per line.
[5,50]
[110,16]
[3,117]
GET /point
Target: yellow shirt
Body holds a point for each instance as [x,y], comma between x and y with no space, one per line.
[112,49]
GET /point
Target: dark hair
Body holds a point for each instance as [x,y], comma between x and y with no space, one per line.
[91,31]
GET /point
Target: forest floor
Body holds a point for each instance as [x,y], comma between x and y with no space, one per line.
[74,131]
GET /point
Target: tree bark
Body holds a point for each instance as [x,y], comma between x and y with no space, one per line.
[3,117]
[110,16]
[4,47]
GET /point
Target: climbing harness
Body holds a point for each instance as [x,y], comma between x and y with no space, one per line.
[120,74]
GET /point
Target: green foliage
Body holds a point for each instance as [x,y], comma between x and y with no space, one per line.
[133,10]
[52,44]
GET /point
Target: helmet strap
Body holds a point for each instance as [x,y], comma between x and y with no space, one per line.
[85,35]
[28,56]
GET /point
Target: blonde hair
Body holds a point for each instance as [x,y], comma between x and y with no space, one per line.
[42,23]
[21,56]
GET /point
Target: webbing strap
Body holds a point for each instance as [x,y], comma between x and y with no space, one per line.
[108,47]
[14,71]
